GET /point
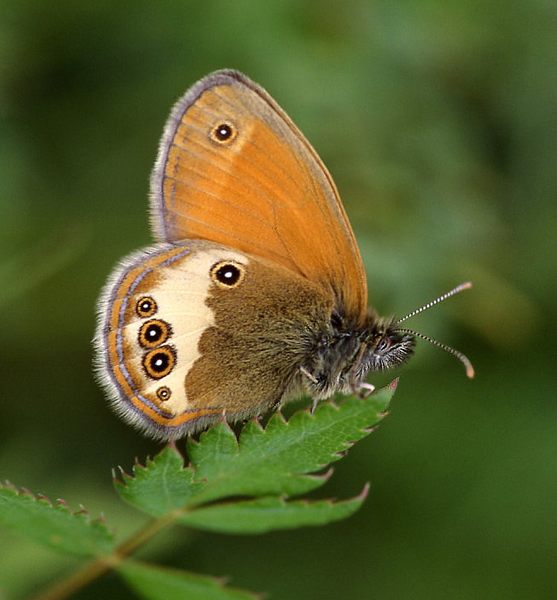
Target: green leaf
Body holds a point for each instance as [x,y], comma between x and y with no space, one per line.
[155,583]
[161,486]
[53,525]
[269,513]
[250,469]
[278,460]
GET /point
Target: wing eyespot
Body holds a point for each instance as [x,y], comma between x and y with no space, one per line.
[227,274]
[146,307]
[223,134]
[154,333]
[164,393]
[159,362]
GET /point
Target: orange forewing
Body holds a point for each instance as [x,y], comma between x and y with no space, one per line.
[266,193]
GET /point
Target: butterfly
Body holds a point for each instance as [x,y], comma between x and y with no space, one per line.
[255,292]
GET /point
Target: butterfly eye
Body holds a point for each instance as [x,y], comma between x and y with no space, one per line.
[223,133]
[146,307]
[383,345]
[153,333]
[159,362]
[227,274]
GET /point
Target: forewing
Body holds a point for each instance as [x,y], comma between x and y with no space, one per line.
[263,190]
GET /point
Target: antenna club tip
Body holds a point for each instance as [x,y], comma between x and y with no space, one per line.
[470,373]
[466,285]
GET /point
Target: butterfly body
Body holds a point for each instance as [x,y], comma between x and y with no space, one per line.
[256,291]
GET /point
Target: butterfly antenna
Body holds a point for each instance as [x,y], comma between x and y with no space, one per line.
[461,357]
[459,288]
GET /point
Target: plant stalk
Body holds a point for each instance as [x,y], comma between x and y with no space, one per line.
[101,565]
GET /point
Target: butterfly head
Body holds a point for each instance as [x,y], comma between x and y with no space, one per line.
[386,346]
[345,354]
[392,344]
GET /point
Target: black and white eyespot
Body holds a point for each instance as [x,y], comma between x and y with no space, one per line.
[153,333]
[146,307]
[228,273]
[223,133]
[159,362]
[164,393]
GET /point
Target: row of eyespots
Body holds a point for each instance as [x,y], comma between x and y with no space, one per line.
[159,361]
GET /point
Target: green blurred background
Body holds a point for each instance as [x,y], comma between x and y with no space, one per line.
[438,121]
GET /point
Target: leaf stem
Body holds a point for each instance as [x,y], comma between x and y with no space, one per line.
[101,565]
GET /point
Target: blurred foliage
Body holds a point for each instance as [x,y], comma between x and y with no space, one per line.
[438,122]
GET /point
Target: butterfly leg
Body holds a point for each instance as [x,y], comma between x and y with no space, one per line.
[314,405]
[309,375]
[313,380]
[364,389]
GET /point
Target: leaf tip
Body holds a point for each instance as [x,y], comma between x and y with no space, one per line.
[364,493]
[327,474]
[279,416]
[255,422]
[82,511]
[119,476]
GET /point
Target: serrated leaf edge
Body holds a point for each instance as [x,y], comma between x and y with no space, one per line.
[59,504]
